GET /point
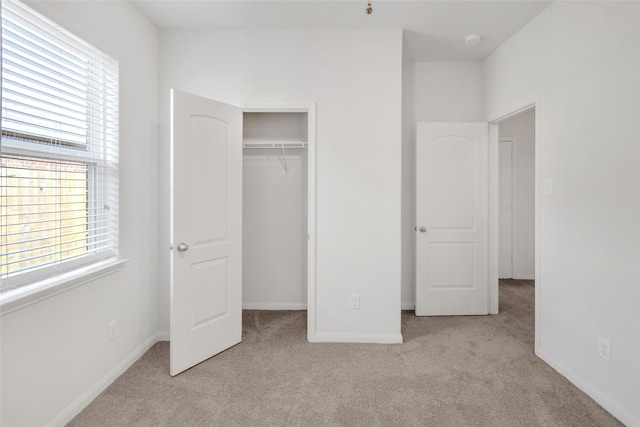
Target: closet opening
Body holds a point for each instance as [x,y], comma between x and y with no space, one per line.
[277,220]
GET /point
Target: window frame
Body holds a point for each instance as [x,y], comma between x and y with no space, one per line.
[31,286]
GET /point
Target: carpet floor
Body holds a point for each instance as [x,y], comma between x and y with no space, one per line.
[450,371]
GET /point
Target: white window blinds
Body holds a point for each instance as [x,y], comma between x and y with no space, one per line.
[59,150]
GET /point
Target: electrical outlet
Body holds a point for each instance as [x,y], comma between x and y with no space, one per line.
[604,349]
[113,329]
[354,301]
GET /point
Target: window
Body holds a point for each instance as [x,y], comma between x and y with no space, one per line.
[59,151]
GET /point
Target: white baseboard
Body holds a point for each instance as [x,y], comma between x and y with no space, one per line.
[358,338]
[524,277]
[274,305]
[621,413]
[408,306]
[163,336]
[87,397]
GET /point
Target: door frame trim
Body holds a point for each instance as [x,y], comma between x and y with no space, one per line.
[535,103]
[310,109]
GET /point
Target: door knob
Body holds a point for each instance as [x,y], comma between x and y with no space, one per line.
[183,247]
[422,229]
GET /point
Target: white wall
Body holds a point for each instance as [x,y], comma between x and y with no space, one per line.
[582,59]
[355,77]
[432,92]
[522,128]
[55,351]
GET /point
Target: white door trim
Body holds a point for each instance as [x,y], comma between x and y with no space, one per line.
[310,109]
[493,208]
[493,212]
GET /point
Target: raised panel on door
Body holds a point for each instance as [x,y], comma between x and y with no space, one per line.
[208,170]
[450,167]
[206,229]
[451,265]
[451,200]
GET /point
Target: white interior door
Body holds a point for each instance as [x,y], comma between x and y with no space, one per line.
[206,229]
[505,212]
[451,241]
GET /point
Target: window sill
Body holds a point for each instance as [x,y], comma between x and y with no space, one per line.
[22,297]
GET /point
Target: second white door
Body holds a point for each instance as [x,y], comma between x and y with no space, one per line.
[451,232]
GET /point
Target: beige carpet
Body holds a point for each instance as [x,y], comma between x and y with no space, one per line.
[451,371]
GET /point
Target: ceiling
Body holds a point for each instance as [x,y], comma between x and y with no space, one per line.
[434,30]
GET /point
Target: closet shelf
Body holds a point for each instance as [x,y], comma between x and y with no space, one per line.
[272,144]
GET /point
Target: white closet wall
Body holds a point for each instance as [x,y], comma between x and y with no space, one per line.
[274,213]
